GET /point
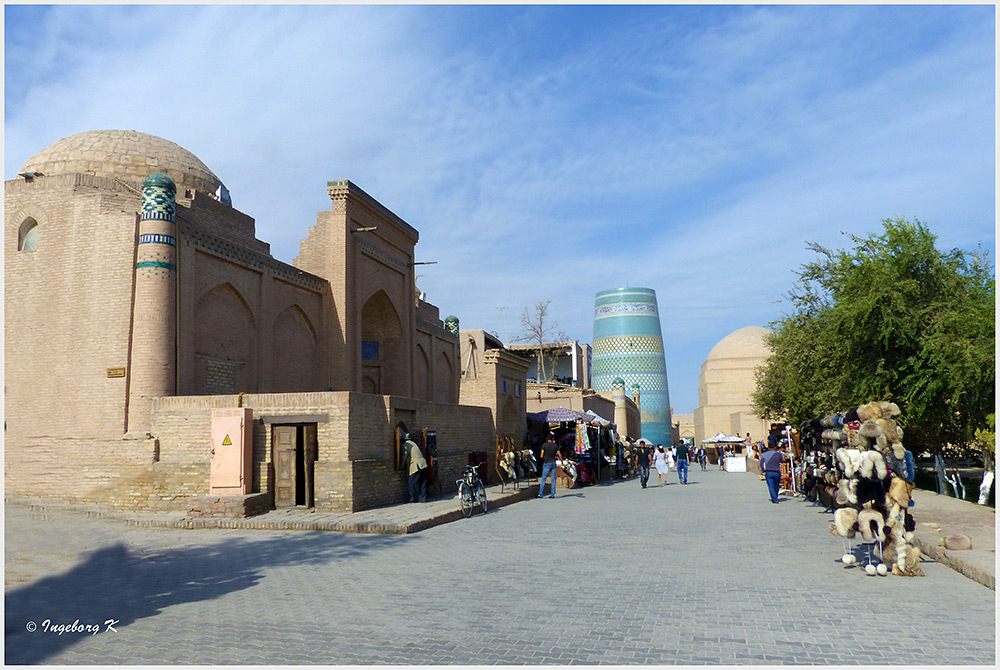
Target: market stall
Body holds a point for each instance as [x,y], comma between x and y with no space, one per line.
[726,452]
[587,444]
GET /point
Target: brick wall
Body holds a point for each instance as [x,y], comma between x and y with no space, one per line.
[355,470]
[67,308]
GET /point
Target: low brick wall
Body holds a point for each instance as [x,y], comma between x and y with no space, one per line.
[170,469]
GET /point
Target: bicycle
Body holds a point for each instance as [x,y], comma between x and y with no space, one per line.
[471,491]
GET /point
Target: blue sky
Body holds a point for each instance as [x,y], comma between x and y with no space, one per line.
[550,152]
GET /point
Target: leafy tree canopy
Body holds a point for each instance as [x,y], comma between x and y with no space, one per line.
[891,319]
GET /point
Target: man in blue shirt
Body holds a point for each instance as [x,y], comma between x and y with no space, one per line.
[770,465]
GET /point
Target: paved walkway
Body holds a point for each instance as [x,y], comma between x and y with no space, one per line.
[709,573]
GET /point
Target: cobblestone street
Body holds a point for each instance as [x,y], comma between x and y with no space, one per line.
[709,573]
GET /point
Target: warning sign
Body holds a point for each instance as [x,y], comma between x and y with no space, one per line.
[227,441]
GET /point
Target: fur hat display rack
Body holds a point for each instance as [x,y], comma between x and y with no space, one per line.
[870,502]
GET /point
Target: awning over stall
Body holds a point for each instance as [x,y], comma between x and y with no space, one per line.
[722,438]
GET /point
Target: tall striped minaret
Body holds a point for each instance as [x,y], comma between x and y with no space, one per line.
[628,345]
[154,324]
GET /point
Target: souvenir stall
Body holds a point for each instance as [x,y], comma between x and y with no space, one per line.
[725,450]
[857,461]
[602,436]
[584,439]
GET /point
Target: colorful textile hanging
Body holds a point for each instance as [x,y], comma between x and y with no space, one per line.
[582,445]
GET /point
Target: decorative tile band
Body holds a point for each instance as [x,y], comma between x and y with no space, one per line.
[157,238]
[157,204]
[631,344]
[155,264]
[628,308]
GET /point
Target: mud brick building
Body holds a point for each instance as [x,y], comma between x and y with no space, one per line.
[139,300]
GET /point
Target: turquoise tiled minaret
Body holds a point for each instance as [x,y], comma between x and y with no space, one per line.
[153,345]
[628,346]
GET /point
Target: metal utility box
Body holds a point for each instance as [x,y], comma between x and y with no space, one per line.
[232,451]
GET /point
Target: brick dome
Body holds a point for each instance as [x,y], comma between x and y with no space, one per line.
[126,154]
[746,342]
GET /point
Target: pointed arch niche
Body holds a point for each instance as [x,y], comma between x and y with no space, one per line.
[422,375]
[444,380]
[224,345]
[383,356]
[294,353]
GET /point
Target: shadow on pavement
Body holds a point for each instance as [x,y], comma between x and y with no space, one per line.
[115,586]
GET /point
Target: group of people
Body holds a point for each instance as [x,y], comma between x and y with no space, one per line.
[664,460]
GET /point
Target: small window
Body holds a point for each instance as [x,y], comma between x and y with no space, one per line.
[369,351]
[27,236]
[503,386]
[517,389]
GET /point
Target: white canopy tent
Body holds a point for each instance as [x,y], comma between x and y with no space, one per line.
[722,438]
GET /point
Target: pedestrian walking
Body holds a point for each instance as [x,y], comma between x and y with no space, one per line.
[415,465]
[549,451]
[671,461]
[682,462]
[660,462]
[642,454]
[703,459]
[770,464]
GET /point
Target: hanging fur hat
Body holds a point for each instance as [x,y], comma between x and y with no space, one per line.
[849,460]
[844,520]
[871,525]
[907,562]
[889,409]
[854,439]
[891,430]
[869,411]
[846,492]
[869,432]
[834,435]
[873,465]
[899,491]
[895,514]
[893,540]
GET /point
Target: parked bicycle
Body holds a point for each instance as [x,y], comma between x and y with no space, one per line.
[471,491]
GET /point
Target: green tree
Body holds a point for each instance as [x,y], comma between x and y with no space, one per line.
[891,319]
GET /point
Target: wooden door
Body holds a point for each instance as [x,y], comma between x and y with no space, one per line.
[311,455]
[283,445]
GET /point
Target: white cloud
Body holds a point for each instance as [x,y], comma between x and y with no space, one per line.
[693,151]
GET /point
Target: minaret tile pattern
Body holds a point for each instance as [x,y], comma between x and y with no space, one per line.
[628,346]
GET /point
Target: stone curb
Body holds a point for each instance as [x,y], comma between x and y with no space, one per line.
[165,520]
[942,556]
